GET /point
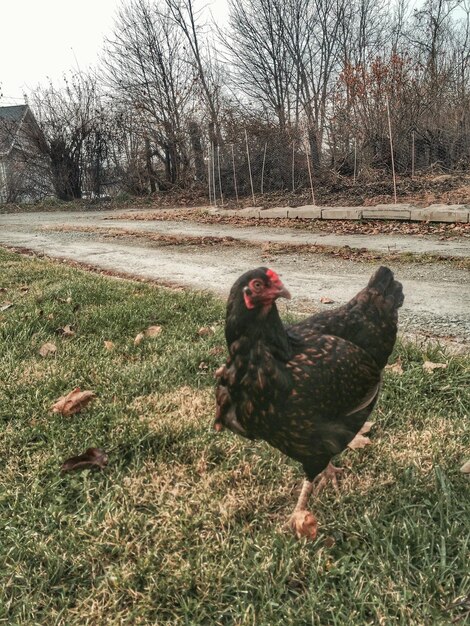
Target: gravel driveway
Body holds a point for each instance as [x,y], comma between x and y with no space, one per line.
[437,295]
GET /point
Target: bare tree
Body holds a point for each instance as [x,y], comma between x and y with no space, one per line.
[70,119]
[147,67]
[259,54]
[187,19]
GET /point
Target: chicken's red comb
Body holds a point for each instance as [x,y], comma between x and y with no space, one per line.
[272,275]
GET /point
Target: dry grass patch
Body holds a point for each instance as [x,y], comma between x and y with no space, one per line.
[179,408]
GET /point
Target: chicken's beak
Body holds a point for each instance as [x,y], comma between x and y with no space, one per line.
[279,291]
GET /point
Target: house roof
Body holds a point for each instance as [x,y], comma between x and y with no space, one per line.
[11,118]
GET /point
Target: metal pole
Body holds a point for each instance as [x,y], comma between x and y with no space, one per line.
[209,174]
[234,175]
[412,154]
[355,159]
[391,152]
[213,175]
[293,165]
[249,167]
[262,169]
[310,176]
[220,179]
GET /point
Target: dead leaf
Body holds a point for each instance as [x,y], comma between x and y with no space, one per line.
[465,469]
[138,339]
[151,331]
[91,458]
[47,348]
[109,345]
[24,289]
[50,316]
[203,365]
[205,331]
[366,428]
[429,366]
[73,402]
[304,524]
[65,331]
[326,300]
[395,368]
[359,440]
[3,289]
[6,305]
[217,350]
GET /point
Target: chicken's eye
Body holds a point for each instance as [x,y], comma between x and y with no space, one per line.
[256,285]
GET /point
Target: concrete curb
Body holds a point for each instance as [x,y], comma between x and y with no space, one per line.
[402,212]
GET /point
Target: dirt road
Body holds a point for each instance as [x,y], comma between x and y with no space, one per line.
[437,295]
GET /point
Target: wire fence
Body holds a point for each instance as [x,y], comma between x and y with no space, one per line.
[254,166]
[249,164]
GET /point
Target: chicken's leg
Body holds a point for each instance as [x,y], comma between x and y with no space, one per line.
[302,522]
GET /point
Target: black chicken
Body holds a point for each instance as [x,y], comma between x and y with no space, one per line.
[307,388]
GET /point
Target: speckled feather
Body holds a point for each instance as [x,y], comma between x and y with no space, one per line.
[300,387]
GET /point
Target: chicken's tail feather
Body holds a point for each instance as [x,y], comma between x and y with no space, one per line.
[384,282]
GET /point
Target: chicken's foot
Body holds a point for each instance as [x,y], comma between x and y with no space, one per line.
[329,474]
[302,522]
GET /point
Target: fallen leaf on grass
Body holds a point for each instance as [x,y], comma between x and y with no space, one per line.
[205,331]
[138,339]
[359,440]
[3,289]
[429,366]
[203,365]
[395,368]
[304,524]
[5,305]
[73,402]
[109,345]
[465,469]
[217,350]
[151,331]
[47,348]
[326,300]
[93,457]
[65,331]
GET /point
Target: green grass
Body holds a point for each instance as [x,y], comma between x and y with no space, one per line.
[185,526]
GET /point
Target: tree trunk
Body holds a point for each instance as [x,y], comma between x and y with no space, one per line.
[148,164]
[195,136]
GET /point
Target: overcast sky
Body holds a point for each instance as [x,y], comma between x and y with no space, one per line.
[45,38]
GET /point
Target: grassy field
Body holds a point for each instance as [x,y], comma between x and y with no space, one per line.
[184,526]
